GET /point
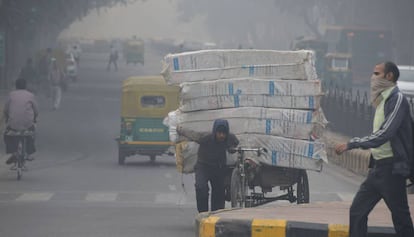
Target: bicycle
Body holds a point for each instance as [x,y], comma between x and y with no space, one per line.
[239,183]
[248,174]
[21,155]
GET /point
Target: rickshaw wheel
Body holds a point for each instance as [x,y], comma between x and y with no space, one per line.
[302,187]
[121,157]
[236,189]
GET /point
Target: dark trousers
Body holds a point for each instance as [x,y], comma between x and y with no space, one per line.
[381,184]
[214,175]
[112,61]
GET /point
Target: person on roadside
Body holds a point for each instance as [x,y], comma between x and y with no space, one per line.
[20,113]
[76,54]
[43,68]
[211,163]
[29,73]
[391,145]
[56,78]
[113,58]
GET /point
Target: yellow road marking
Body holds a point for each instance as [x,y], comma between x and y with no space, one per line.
[268,228]
[208,226]
[336,230]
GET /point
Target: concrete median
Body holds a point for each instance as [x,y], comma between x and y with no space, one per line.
[311,220]
[319,219]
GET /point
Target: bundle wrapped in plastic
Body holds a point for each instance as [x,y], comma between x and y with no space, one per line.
[235,101]
[300,71]
[250,86]
[222,58]
[186,156]
[299,124]
[285,152]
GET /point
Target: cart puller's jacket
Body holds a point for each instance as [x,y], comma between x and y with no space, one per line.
[211,152]
[397,129]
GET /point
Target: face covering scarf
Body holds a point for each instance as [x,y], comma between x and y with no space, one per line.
[378,85]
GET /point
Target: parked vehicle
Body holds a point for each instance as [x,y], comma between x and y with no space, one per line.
[406,80]
[146,101]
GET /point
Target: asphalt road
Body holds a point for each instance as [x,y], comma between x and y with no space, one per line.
[75,186]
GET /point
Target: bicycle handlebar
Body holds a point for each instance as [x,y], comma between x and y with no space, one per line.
[259,150]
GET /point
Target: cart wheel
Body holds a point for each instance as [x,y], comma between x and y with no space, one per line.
[121,157]
[302,187]
[238,190]
[152,158]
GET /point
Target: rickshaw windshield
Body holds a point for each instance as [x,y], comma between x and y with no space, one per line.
[148,97]
[152,101]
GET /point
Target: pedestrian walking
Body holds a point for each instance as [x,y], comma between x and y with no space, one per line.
[113,58]
[391,146]
[56,78]
[211,163]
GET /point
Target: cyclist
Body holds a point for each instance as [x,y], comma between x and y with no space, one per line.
[20,113]
[211,163]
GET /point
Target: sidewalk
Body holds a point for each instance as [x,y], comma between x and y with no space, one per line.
[315,219]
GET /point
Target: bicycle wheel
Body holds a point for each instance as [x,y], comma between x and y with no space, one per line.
[237,189]
[19,161]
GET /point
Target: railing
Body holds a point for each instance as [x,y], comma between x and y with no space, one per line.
[349,112]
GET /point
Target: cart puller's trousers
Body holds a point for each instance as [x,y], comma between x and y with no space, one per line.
[381,184]
[215,175]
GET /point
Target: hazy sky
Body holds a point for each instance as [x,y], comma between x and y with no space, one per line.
[153,18]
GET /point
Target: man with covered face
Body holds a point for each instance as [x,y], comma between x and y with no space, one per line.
[391,146]
[211,163]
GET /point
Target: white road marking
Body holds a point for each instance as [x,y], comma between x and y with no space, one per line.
[35,197]
[346,196]
[172,187]
[173,198]
[101,197]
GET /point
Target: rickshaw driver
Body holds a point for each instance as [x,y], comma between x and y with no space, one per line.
[211,163]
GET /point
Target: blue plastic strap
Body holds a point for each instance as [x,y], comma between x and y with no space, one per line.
[271,88]
[268,126]
[176,64]
[310,151]
[231,88]
[236,101]
[274,157]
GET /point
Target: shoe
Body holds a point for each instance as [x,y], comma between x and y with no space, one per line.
[11,160]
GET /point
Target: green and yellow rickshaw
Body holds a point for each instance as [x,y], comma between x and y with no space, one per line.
[146,101]
[133,51]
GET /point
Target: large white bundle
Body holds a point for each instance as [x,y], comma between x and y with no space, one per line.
[296,71]
[298,124]
[250,86]
[222,102]
[260,113]
[256,126]
[222,58]
[286,152]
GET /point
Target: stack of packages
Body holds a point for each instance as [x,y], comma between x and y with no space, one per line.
[270,98]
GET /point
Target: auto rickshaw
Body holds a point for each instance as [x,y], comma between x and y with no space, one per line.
[146,101]
[133,51]
[337,72]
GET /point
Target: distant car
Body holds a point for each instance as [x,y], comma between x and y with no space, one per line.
[406,80]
